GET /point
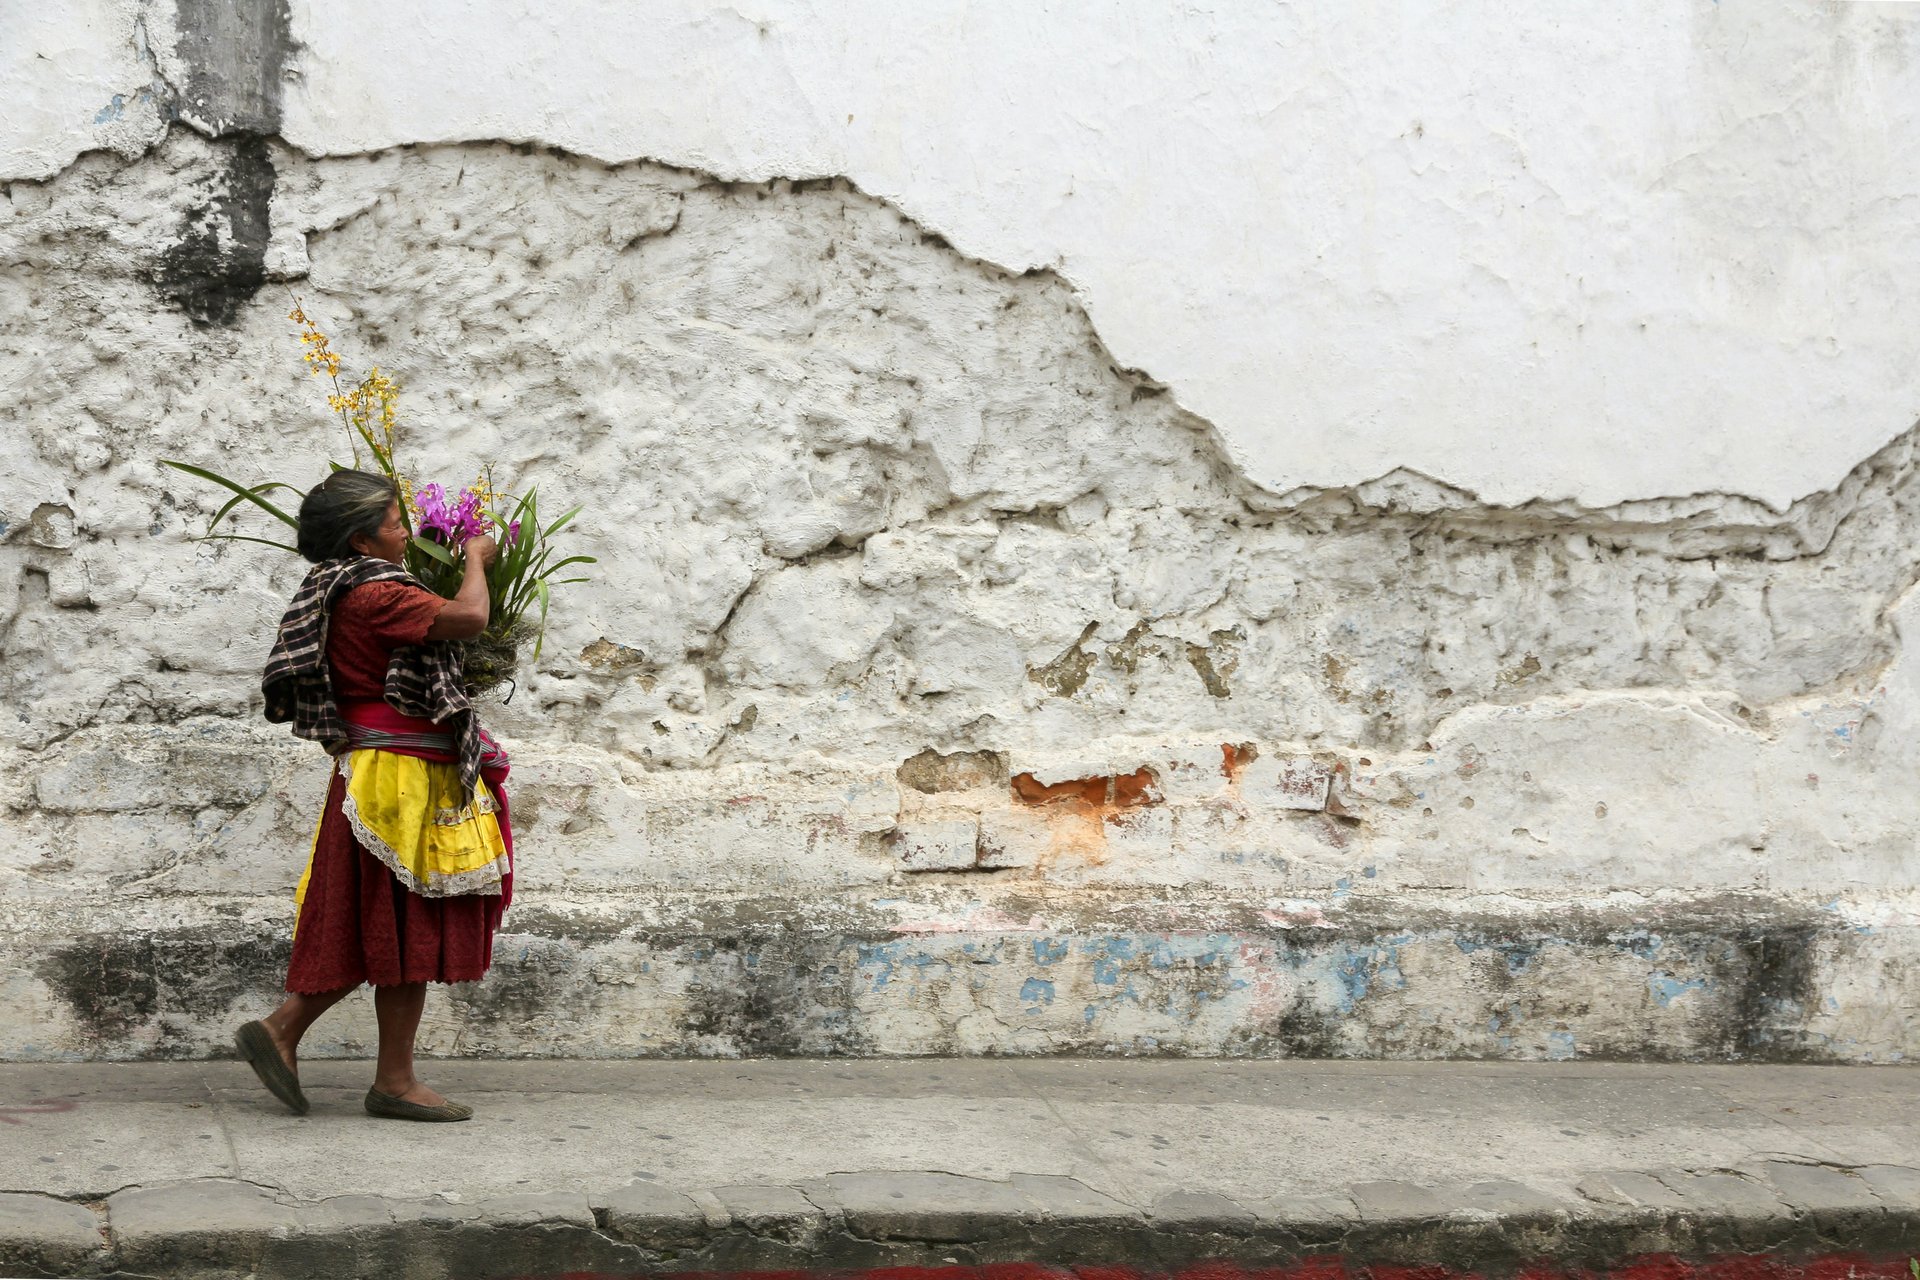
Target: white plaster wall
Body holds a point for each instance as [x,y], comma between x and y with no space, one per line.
[1334,768]
[926,637]
[1587,252]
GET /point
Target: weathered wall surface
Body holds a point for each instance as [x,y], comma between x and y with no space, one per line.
[1670,238]
[948,686]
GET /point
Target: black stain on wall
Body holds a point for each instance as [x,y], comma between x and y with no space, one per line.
[1772,973]
[219,261]
[235,55]
[761,989]
[775,994]
[117,986]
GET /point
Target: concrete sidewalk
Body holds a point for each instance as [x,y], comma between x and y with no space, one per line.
[624,1167]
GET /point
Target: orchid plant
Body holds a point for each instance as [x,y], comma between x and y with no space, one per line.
[522,575]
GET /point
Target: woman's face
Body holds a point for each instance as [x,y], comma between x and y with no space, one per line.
[389,543]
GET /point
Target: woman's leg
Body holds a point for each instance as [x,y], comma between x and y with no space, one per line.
[296,1013]
[397,1009]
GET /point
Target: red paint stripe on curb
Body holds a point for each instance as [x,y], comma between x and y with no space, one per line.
[1833,1266]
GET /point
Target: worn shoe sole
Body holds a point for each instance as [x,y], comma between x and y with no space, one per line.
[256,1045]
[388,1107]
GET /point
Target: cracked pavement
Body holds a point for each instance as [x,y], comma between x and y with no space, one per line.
[190,1168]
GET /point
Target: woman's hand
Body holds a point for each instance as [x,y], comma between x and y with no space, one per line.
[466,614]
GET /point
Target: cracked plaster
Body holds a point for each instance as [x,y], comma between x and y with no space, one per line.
[1667,240]
[859,496]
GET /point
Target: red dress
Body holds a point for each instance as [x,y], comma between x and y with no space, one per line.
[358,923]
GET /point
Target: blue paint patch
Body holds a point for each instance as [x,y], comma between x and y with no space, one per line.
[1210,957]
[1666,988]
[881,962]
[1518,955]
[1048,951]
[1353,973]
[112,110]
[1036,992]
[1386,971]
[1369,872]
[1559,1046]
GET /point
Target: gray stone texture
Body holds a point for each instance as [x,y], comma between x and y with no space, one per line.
[653,1216]
[1054,1198]
[1838,1203]
[623,1167]
[1897,1185]
[1200,1212]
[39,1233]
[1392,1201]
[206,1222]
[923,1206]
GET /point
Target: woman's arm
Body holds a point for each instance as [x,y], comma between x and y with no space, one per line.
[466,614]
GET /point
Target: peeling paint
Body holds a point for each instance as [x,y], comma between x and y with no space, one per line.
[910,564]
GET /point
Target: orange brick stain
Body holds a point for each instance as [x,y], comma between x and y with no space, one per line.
[1235,757]
[1078,811]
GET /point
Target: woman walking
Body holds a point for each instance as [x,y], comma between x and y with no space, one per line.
[411,864]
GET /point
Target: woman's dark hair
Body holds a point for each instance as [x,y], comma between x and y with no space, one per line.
[345,503]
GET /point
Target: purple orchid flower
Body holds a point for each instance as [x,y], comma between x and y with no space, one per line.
[452,525]
[436,521]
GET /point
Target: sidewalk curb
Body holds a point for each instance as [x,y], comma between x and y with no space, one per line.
[218,1227]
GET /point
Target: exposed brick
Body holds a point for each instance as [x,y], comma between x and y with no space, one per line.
[1091,792]
[1099,794]
[1235,757]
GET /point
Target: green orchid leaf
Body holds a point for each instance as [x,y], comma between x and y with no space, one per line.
[238,488]
[433,549]
[540,640]
[233,502]
[241,537]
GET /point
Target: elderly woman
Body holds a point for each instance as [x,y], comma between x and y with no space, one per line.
[411,864]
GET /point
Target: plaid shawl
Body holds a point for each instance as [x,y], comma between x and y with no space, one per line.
[422,680]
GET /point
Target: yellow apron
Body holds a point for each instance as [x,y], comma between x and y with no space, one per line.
[410,813]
